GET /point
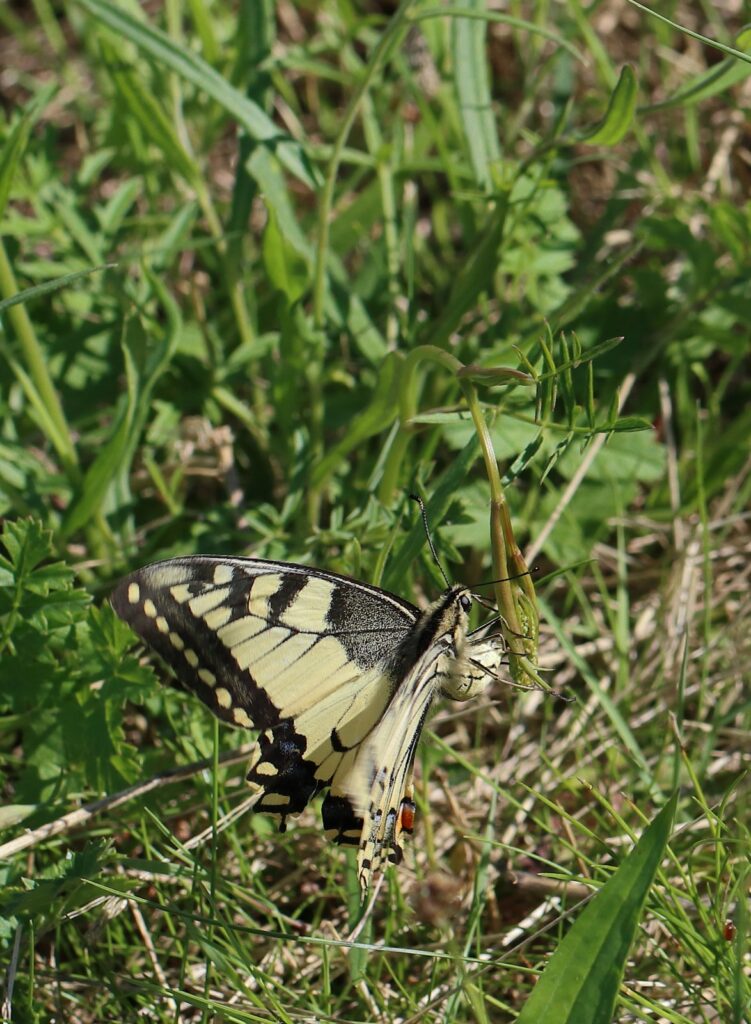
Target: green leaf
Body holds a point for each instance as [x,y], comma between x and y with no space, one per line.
[55,285]
[142,370]
[286,266]
[15,144]
[70,885]
[709,83]
[580,983]
[107,463]
[620,112]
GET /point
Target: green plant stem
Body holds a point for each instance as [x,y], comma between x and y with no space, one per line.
[214,851]
[514,590]
[506,554]
[380,54]
[37,366]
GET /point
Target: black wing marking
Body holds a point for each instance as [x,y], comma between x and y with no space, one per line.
[300,654]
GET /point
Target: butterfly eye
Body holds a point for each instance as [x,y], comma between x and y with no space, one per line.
[466,602]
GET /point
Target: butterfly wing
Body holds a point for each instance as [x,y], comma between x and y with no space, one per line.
[302,655]
[434,661]
[387,759]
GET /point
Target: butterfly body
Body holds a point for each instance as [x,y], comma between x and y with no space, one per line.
[338,676]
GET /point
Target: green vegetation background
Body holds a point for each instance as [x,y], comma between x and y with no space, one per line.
[227,234]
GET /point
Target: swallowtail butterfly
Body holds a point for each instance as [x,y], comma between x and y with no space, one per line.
[338,677]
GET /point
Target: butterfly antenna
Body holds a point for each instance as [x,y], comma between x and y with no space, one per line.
[434,553]
[506,579]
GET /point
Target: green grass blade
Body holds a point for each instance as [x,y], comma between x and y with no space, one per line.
[731,51]
[472,86]
[51,286]
[190,67]
[580,983]
[147,110]
[711,82]
[620,112]
[108,461]
[379,415]
[436,509]
[15,144]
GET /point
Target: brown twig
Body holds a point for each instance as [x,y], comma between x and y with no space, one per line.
[74,819]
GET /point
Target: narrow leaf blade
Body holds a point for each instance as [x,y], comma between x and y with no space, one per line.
[580,984]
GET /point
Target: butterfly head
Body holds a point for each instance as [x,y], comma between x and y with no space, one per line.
[464,676]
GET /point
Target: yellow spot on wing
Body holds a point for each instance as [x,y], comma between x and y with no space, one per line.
[181,593]
[207,677]
[134,593]
[263,588]
[223,698]
[150,608]
[204,603]
[177,641]
[308,611]
[218,618]
[168,574]
[223,574]
[242,717]
[275,800]
[191,657]
[162,625]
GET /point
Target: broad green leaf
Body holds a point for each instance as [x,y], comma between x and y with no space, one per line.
[580,983]
[620,112]
[265,170]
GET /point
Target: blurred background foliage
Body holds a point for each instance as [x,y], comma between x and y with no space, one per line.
[227,233]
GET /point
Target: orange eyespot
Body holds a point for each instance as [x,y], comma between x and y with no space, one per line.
[406,817]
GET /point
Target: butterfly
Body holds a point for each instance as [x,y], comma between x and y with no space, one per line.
[337,675]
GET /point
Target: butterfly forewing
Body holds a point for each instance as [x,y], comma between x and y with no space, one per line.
[273,646]
[337,676]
